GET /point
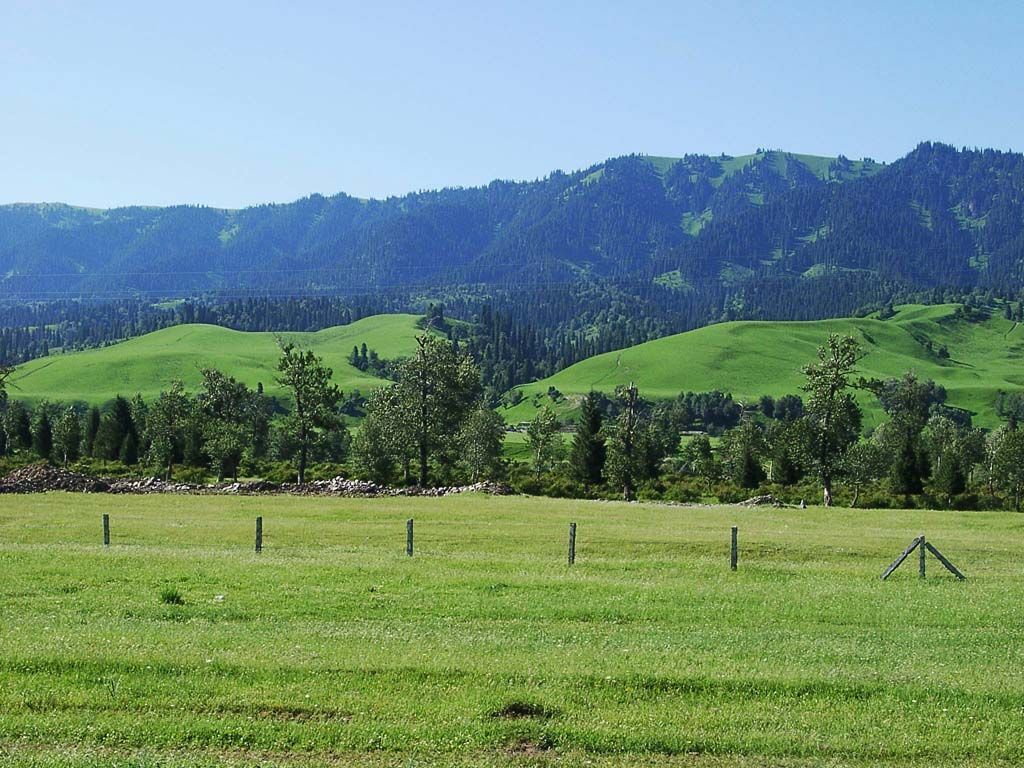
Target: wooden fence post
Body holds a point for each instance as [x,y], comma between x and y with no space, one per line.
[734,553]
[572,543]
[259,534]
[408,537]
[922,550]
[106,530]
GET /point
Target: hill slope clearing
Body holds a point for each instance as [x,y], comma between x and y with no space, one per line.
[148,364]
[751,359]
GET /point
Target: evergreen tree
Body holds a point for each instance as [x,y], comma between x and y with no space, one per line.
[588,453]
[129,453]
[42,434]
[19,426]
[92,427]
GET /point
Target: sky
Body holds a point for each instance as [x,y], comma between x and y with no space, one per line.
[237,103]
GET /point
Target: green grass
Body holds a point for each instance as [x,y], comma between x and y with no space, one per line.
[750,359]
[334,648]
[149,363]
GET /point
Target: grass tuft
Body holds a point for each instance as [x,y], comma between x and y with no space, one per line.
[171,596]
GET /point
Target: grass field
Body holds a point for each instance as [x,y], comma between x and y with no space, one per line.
[334,648]
[149,363]
[750,359]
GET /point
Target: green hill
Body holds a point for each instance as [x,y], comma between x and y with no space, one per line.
[149,363]
[750,359]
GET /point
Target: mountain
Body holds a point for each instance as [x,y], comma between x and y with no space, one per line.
[147,364]
[938,216]
[751,359]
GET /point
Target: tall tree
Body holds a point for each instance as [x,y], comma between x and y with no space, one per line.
[167,423]
[67,437]
[544,441]
[589,452]
[315,400]
[1008,464]
[42,433]
[19,425]
[908,402]
[92,427]
[437,389]
[482,438]
[626,456]
[865,462]
[699,459]
[227,409]
[832,415]
[116,426]
[743,449]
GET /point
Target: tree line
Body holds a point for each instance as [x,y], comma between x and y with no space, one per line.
[433,425]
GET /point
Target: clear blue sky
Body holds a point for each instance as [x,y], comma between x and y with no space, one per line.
[234,103]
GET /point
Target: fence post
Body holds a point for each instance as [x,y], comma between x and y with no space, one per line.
[408,537]
[572,543]
[734,552]
[106,530]
[922,547]
[259,534]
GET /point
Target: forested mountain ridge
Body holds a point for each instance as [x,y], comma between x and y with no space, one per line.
[937,217]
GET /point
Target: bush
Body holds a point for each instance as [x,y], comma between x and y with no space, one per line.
[194,475]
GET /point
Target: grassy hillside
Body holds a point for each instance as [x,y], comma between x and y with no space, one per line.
[178,646]
[750,359]
[149,363]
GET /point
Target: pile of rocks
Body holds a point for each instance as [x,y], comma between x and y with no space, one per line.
[761,501]
[154,485]
[39,478]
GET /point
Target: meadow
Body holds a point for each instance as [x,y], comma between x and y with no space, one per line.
[180,646]
[147,364]
[754,358]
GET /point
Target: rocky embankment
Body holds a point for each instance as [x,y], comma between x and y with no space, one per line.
[40,478]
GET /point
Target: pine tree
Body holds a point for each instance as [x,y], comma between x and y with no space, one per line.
[92,426]
[589,452]
[42,434]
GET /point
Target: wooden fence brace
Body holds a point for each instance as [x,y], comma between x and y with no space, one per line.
[259,534]
[734,551]
[572,543]
[408,537]
[899,560]
[949,566]
[921,552]
[106,530]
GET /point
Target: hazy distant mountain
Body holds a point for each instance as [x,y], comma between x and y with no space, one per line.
[938,216]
